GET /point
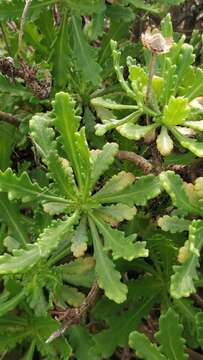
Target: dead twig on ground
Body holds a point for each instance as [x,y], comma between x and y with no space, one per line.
[138,160]
[73,315]
[9,118]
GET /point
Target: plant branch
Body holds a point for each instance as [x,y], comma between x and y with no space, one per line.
[138,160]
[9,118]
[22,23]
[198,300]
[73,315]
[194,355]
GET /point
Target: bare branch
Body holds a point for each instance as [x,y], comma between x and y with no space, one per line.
[73,315]
[198,300]
[194,355]
[9,118]
[138,160]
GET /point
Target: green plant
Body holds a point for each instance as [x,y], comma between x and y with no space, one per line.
[70,198]
[167,95]
[100,237]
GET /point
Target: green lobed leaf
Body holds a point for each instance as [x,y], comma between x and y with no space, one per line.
[167,26]
[102,160]
[10,214]
[95,28]
[196,88]
[84,54]
[176,112]
[81,341]
[116,184]
[116,54]
[134,131]
[170,77]
[144,348]
[80,238]
[193,145]
[183,63]
[60,170]
[54,208]
[133,194]
[120,12]
[22,188]
[12,303]
[108,277]
[141,297]
[79,272]
[114,214]
[163,252]
[111,122]
[121,246]
[14,330]
[74,142]
[7,141]
[87,7]
[170,336]
[13,10]
[182,281]
[110,104]
[174,186]
[195,125]
[69,295]
[141,4]
[21,260]
[164,142]
[13,89]
[188,312]
[60,55]
[173,224]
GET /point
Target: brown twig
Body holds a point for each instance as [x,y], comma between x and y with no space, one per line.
[126,354]
[198,300]
[189,172]
[157,161]
[9,118]
[56,15]
[138,160]
[194,355]
[73,315]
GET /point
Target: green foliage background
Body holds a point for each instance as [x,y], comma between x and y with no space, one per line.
[99,188]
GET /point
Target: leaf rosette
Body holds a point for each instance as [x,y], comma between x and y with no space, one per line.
[85,217]
[173,110]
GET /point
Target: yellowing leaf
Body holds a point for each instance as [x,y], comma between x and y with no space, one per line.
[176,112]
[164,142]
